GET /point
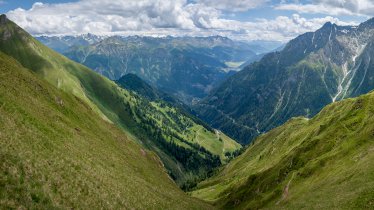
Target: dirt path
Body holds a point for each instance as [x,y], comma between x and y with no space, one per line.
[286,190]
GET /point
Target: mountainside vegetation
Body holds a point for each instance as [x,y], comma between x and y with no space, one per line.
[196,146]
[188,150]
[134,83]
[313,70]
[57,153]
[319,163]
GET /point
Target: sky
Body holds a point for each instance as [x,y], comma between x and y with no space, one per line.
[273,20]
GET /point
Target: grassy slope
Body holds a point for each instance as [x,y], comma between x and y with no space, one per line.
[52,66]
[321,163]
[55,152]
[111,102]
[215,142]
[172,114]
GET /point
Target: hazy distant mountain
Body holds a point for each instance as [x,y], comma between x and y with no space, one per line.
[311,71]
[63,43]
[187,67]
[263,46]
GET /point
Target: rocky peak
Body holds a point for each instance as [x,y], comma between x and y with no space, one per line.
[327,25]
[328,29]
[3,19]
[367,24]
[5,33]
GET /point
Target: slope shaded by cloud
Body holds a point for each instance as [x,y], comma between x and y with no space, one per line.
[157,18]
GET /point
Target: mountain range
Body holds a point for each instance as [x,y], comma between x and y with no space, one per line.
[63,43]
[186,67]
[312,70]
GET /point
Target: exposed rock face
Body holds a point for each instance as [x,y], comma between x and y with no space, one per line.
[313,70]
[6,33]
[3,19]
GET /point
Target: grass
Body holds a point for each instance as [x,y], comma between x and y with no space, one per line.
[56,153]
[318,163]
[215,142]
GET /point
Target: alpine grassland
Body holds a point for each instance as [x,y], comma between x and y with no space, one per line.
[57,153]
[319,163]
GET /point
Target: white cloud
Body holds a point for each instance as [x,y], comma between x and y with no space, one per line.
[232,5]
[96,15]
[282,28]
[156,18]
[332,7]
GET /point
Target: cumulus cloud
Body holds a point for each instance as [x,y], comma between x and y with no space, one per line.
[235,6]
[157,18]
[103,16]
[332,7]
[282,28]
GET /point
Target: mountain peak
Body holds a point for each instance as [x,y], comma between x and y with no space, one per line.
[368,23]
[3,19]
[371,20]
[328,25]
[135,83]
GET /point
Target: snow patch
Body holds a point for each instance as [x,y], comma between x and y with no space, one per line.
[344,31]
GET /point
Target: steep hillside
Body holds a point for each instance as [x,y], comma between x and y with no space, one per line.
[188,156]
[319,163]
[178,133]
[187,67]
[313,70]
[56,153]
[134,83]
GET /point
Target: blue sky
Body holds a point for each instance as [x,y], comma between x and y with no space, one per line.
[7,5]
[279,20]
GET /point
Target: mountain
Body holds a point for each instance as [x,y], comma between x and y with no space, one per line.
[63,43]
[319,163]
[188,150]
[263,46]
[255,58]
[57,153]
[312,70]
[266,46]
[134,83]
[186,67]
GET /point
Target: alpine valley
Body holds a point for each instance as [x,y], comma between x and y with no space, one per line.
[186,67]
[188,148]
[140,122]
